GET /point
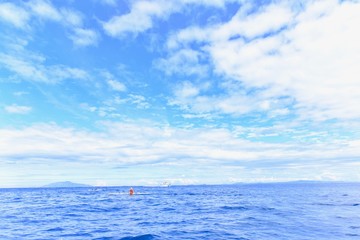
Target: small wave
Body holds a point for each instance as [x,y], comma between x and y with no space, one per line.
[57,229]
[325,204]
[168,209]
[191,194]
[234,208]
[140,237]
[336,205]
[72,215]
[82,234]
[352,235]
[354,227]
[267,208]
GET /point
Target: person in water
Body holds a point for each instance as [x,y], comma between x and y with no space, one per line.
[131,191]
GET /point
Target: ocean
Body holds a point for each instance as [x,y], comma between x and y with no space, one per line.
[241,211]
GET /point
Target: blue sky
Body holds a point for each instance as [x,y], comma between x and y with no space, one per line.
[112,92]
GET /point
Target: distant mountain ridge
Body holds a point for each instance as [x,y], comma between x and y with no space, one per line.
[66,184]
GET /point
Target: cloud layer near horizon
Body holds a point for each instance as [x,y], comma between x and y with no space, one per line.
[127,145]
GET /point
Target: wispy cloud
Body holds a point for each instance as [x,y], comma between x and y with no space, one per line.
[139,19]
[17,109]
[143,14]
[185,61]
[35,70]
[116,85]
[44,9]
[84,37]
[21,15]
[71,17]
[138,100]
[14,15]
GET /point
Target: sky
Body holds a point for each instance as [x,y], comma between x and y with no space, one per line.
[135,92]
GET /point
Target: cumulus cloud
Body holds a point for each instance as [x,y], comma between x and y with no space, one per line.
[306,56]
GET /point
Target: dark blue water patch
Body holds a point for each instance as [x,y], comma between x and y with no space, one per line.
[76,235]
[241,208]
[101,230]
[325,204]
[105,238]
[338,204]
[354,227]
[352,235]
[167,209]
[140,237]
[56,229]
[266,208]
[73,215]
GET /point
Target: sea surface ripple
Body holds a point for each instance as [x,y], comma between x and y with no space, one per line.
[242,211]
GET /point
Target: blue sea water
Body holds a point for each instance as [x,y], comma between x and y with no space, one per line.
[243,211]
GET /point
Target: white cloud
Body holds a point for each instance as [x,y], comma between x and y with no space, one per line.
[35,69]
[20,93]
[45,9]
[139,101]
[143,13]
[184,61]
[15,15]
[272,18]
[84,37]
[187,90]
[139,19]
[235,101]
[116,85]
[309,57]
[71,17]
[16,109]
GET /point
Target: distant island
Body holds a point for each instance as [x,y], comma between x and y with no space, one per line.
[66,184]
